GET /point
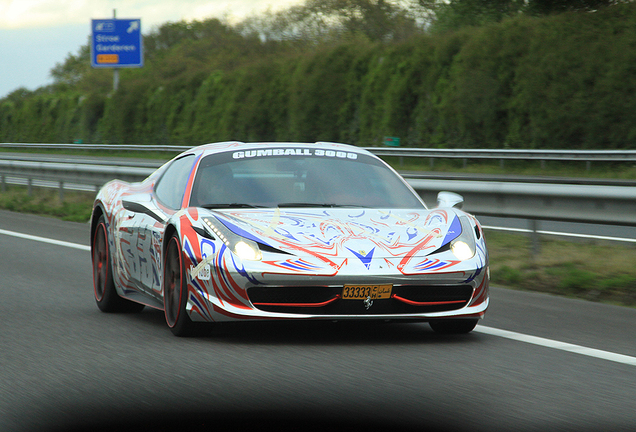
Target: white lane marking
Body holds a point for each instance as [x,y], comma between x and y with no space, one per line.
[588,236]
[563,346]
[45,240]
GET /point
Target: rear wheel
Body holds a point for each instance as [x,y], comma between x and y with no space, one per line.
[106,296]
[175,291]
[453,326]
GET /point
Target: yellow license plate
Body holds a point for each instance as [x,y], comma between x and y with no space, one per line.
[362,292]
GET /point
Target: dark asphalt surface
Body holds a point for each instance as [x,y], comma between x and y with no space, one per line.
[67,366]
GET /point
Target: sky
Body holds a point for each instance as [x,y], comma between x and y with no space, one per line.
[35,35]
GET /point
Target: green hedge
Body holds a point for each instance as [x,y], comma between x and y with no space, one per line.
[564,81]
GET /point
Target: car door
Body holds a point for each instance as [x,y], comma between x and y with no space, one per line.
[150,262]
[126,239]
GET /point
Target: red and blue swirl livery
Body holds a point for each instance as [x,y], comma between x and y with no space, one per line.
[289,231]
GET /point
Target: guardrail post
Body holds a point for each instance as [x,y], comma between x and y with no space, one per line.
[61,190]
[4,183]
[534,237]
[30,186]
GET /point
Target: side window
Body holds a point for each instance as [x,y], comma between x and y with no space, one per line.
[171,187]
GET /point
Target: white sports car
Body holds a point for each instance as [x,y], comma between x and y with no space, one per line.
[235,231]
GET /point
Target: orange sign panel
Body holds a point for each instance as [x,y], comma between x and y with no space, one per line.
[107,58]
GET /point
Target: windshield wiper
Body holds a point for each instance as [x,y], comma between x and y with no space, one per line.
[232,205]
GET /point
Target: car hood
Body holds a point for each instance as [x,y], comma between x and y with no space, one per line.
[362,234]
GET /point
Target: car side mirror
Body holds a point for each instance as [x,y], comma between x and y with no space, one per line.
[449,199]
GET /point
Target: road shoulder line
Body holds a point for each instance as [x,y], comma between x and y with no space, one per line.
[45,240]
[563,346]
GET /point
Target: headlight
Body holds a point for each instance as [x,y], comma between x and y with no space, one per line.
[245,249]
[464,246]
[462,250]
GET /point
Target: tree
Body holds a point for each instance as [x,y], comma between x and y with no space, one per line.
[74,67]
[172,34]
[454,14]
[324,20]
[462,13]
[547,7]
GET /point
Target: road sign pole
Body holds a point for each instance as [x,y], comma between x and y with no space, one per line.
[115,70]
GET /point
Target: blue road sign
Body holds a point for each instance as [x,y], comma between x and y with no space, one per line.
[116,43]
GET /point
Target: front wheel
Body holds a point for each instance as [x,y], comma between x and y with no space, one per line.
[453,326]
[175,291]
[106,295]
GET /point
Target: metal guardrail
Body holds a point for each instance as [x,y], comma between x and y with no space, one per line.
[91,174]
[498,154]
[554,155]
[94,147]
[558,202]
[540,201]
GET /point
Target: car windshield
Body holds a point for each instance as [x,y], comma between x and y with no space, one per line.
[307,178]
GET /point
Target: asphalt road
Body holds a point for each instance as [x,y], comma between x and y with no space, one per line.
[67,366]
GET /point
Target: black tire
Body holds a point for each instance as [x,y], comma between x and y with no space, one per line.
[453,326]
[175,291]
[106,296]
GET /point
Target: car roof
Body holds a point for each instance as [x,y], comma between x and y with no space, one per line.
[221,147]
